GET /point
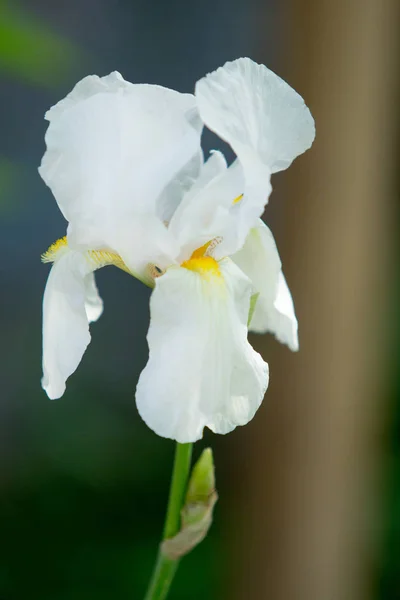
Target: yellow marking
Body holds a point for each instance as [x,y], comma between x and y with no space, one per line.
[51,253]
[103,258]
[206,266]
[238,199]
[98,258]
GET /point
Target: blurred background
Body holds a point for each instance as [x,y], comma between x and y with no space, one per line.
[309,491]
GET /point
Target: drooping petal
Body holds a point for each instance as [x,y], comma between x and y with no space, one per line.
[112,148]
[70,302]
[93,303]
[274,311]
[264,120]
[202,372]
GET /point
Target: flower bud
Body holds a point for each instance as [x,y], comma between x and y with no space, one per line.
[197,511]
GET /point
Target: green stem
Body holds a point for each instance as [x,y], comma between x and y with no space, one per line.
[165,568]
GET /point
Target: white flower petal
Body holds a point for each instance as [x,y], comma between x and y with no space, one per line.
[256,112]
[190,210]
[202,372]
[143,241]
[274,311]
[265,122]
[93,303]
[208,211]
[113,83]
[171,197]
[214,166]
[87,87]
[70,301]
[188,220]
[112,148]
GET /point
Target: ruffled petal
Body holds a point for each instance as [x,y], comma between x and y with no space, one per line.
[70,302]
[274,311]
[114,83]
[265,122]
[256,112]
[202,372]
[112,148]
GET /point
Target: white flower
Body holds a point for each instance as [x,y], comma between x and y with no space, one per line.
[125,165]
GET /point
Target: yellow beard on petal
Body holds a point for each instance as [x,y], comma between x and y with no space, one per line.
[103,258]
[55,250]
[97,258]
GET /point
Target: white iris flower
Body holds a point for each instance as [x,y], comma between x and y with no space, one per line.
[125,165]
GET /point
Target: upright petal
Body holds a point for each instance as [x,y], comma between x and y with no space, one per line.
[202,372]
[113,83]
[274,311]
[70,302]
[264,120]
[204,212]
[211,210]
[112,148]
[172,195]
[256,112]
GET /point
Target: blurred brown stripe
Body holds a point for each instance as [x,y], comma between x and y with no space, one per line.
[309,507]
